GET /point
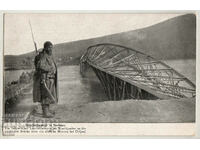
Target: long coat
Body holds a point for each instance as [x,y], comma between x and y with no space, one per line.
[44,65]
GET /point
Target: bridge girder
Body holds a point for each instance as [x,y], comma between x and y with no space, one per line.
[136,69]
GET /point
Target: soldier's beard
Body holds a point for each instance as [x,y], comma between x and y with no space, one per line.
[49,52]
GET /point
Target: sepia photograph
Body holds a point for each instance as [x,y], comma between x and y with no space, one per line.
[99,67]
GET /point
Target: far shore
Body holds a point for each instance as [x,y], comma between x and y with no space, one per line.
[28,68]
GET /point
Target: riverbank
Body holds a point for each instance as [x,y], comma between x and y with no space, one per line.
[14,90]
[124,111]
[71,62]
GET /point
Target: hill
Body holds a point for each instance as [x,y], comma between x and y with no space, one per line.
[172,39]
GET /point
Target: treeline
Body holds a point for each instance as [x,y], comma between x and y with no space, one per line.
[16,63]
[28,62]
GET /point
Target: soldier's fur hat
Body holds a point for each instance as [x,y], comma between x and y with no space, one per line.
[47,44]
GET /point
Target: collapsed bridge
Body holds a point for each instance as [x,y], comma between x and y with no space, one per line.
[126,73]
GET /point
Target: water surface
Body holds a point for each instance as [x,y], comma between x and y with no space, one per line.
[73,88]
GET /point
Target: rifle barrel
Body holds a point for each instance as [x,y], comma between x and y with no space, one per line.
[35,45]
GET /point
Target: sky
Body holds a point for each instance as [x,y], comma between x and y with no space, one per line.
[60,28]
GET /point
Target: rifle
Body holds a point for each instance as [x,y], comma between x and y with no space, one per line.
[35,45]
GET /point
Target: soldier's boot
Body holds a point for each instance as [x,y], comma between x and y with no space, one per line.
[51,111]
[46,113]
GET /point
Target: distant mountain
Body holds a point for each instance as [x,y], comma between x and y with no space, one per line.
[172,39]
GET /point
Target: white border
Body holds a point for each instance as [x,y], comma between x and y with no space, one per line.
[132,128]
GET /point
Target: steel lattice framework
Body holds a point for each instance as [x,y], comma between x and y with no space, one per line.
[137,69]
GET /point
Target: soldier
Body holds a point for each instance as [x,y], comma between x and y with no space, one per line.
[45,88]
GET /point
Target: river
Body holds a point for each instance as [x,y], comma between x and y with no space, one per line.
[73,87]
